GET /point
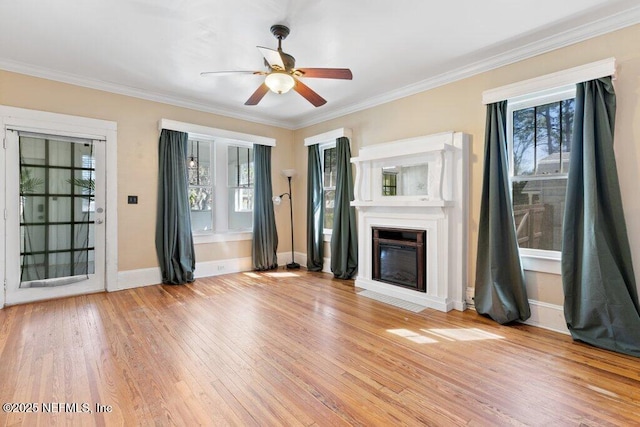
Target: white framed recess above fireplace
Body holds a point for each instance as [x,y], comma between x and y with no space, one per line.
[416,184]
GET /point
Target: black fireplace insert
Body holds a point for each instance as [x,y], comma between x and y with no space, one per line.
[399,257]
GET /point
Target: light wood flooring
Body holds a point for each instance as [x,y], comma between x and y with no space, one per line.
[296,349]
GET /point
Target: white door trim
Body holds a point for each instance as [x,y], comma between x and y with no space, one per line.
[45,122]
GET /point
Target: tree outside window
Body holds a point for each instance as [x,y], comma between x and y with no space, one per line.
[540,144]
[329,177]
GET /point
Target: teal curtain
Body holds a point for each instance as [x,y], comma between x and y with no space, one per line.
[344,239]
[265,236]
[499,288]
[601,299]
[174,241]
[315,211]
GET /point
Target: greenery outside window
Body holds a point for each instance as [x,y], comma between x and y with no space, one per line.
[201,192]
[329,176]
[240,187]
[539,136]
[216,168]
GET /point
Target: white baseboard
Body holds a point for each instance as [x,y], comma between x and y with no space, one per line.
[130,279]
[547,316]
[543,315]
[302,260]
[225,266]
[151,276]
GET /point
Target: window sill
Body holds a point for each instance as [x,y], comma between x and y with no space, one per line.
[221,237]
[326,236]
[541,261]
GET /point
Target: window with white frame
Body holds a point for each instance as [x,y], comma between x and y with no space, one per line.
[329,176]
[201,170]
[220,185]
[540,129]
[240,187]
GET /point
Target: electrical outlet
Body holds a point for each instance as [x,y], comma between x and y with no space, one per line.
[220,267]
[470,297]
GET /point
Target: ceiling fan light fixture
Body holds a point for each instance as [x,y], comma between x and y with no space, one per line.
[279,82]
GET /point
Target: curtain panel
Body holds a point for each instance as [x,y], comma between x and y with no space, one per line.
[265,236]
[499,287]
[344,239]
[315,211]
[601,300]
[174,241]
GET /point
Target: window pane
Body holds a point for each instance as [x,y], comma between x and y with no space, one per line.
[200,203]
[59,153]
[568,110]
[200,171]
[242,199]
[538,207]
[240,166]
[329,200]
[548,139]
[541,138]
[523,141]
[240,213]
[200,198]
[199,163]
[330,167]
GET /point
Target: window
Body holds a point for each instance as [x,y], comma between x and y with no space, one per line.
[217,169]
[329,177]
[200,169]
[540,131]
[240,187]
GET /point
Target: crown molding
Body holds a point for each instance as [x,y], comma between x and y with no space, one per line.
[44,73]
[622,19]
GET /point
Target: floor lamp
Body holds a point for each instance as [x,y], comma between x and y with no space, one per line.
[289,173]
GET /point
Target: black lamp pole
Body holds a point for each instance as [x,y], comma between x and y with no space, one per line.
[293,265]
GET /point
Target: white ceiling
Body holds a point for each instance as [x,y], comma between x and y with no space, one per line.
[156,49]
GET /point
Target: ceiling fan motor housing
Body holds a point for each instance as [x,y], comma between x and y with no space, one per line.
[280,31]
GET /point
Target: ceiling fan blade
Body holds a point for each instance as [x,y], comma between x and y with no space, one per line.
[309,94]
[257,95]
[222,73]
[273,57]
[326,73]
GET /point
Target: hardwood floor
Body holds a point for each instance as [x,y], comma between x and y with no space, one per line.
[295,349]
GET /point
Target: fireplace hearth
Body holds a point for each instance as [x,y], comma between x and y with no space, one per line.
[399,257]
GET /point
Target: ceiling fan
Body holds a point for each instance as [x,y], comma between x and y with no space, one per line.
[282,74]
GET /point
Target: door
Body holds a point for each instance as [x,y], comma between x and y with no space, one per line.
[55,191]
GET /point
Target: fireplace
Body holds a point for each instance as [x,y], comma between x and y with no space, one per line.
[412,238]
[399,257]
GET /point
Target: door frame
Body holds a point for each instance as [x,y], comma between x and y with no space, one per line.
[82,127]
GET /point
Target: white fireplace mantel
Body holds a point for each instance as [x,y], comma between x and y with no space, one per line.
[441,210]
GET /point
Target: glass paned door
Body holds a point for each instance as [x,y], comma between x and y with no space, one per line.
[55,240]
